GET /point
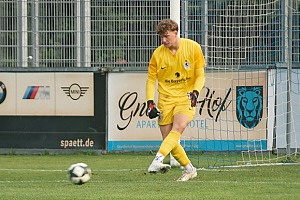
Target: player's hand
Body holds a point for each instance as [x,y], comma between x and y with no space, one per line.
[193,96]
[152,111]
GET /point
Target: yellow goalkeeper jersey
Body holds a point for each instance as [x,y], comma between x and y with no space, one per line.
[176,74]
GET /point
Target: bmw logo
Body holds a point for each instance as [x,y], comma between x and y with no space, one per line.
[2,92]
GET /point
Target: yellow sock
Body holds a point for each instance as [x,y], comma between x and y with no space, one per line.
[169,143]
[180,155]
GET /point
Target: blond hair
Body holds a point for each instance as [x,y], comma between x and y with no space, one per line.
[166,25]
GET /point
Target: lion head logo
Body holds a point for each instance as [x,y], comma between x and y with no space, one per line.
[249,105]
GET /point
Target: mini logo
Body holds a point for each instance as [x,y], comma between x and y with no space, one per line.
[37,92]
[2,92]
[177,74]
[75,91]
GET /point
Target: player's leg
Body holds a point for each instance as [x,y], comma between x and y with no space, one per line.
[170,142]
[189,170]
[165,130]
[173,161]
[157,163]
[182,117]
[166,106]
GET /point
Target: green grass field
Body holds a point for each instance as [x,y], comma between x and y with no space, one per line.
[124,176]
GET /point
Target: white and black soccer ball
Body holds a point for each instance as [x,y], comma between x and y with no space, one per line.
[79,173]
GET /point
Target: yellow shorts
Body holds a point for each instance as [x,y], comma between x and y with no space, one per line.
[170,106]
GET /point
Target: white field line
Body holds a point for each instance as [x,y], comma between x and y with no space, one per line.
[151,181]
[61,170]
[123,170]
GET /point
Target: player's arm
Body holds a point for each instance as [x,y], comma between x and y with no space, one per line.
[199,75]
[199,69]
[150,88]
[151,79]
[152,111]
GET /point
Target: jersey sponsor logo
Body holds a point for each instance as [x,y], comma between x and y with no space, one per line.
[249,105]
[177,80]
[75,91]
[37,92]
[2,92]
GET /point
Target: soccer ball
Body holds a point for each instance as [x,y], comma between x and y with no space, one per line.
[79,173]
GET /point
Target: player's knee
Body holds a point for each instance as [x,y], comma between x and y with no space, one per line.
[179,126]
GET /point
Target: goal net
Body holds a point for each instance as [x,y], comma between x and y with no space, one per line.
[248,110]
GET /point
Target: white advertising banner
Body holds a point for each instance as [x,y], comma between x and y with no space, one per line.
[223,120]
[47,94]
[128,126]
[74,94]
[35,94]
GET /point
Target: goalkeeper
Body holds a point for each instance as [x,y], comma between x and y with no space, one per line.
[178,66]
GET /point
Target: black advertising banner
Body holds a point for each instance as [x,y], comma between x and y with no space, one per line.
[75,127]
[48,140]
